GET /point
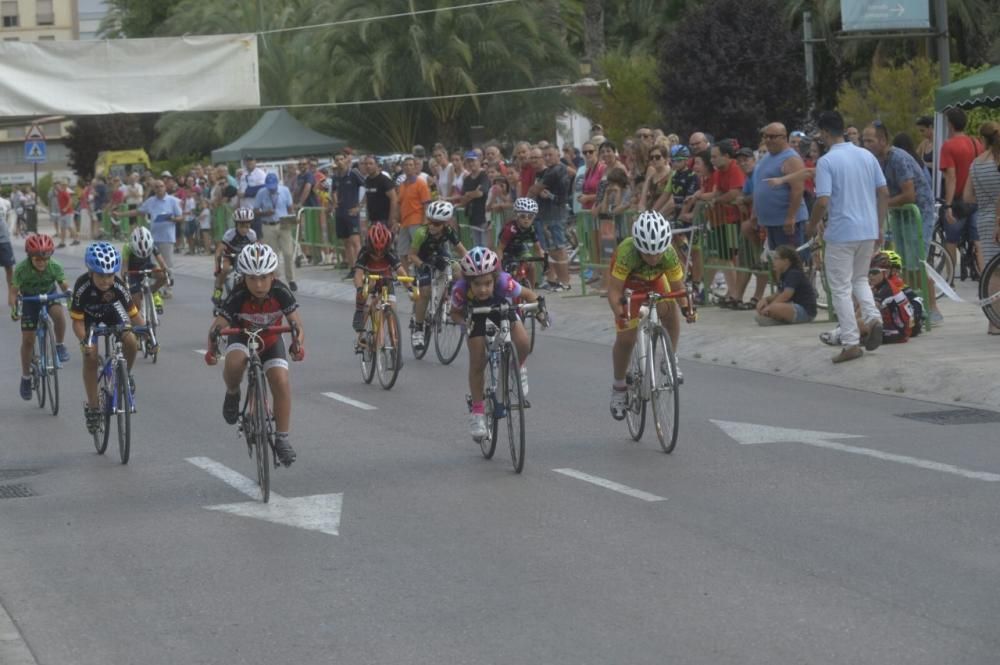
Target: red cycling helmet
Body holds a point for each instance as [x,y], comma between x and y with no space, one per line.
[379,237]
[38,244]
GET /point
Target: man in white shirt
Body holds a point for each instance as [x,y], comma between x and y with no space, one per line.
[250,183]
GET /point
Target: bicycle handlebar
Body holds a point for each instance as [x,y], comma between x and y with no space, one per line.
[45,297]
[104,330]
[260,331]
[503,308]
[145,271]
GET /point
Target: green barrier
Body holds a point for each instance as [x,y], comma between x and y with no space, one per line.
[724,246]
[222,217]
[312,237]
[906,236]
[470,235]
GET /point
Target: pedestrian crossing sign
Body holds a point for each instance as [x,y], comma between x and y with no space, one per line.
[35,151]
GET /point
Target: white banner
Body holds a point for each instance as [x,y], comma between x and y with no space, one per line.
[201,73]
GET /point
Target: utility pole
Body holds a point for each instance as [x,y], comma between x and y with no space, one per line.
[807,39]
[943,42]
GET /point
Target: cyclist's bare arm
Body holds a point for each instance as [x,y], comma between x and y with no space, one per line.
[298,332]
[462,251]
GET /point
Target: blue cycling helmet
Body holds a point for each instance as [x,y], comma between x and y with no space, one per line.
[103,258]
[679,152]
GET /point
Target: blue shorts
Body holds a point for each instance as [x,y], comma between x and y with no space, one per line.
[6,253]
[551,233]
[776,236]
[801,315]
[963,226]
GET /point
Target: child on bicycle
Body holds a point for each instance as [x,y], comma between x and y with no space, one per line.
[484,284]
[378,256]
[139,254]
[259,300]
[36,275]
[519,237]
[645,263]
[429,252]
[233,242]
[101,296]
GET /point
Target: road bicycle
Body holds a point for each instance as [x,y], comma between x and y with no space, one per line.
[150,343]
[256,422]
[45,364]
[115,392]
[518,269]
[652,372]
[379,341]
[504,398]
[448,335]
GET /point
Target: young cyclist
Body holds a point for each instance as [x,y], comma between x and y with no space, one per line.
[644,263]
[429,251]
[139,254]
[897,314]
[259,300]
[36,275]
[101,296]
[485,284]
[519,237]
[377,256]
[233,242]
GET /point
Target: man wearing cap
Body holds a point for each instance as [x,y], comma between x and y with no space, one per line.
[163,211]
[250,182]
[475,188]
[273,208]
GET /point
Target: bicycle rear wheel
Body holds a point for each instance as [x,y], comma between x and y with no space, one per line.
[989,287]
[635,414]
[123,413]
[427,328]
[942,263]
[103,432]
[262,443]
[390,355]
[664,389]
[153,322]
[51,369]
[368,351]
[448,336]
[513,400]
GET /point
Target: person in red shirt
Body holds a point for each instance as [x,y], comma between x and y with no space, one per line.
[65,200]
[957,154]
[728,181]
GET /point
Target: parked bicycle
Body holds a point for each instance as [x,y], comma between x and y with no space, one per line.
[45,364]
[115,392]
[652,373]
[150,343]
[380,341]
[256,422]
[448,335]
[504,398]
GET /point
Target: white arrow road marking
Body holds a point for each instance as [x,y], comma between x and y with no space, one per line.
[610,484]
[749,433]
[201,352]
[353,402]
[319,512]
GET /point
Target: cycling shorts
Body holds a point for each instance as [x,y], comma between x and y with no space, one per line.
[640,288]
[30,312]
[478,326]
[272,356]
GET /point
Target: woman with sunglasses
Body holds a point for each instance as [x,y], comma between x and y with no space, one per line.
[654,196]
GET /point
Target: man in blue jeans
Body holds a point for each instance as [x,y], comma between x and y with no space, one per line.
[551,190]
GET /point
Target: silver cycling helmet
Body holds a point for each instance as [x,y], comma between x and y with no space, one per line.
[141,242]
[440,211]
[651,233]
[257,259]
[524,204]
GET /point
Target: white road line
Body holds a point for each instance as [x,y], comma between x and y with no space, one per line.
[235,480]
[610,484]
[353,402]
[13,649]
[906,459]
[201,352]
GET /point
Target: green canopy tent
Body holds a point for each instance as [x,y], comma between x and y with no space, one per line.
[982,89]
[277,135]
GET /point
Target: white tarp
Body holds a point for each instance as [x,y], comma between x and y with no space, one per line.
[202,73]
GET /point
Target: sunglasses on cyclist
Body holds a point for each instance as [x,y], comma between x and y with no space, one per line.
[876,271]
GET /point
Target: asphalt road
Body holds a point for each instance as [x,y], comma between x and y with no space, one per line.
[764,553]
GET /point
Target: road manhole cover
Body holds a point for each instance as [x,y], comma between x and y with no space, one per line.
[15,491]
[11,474]
[955,417]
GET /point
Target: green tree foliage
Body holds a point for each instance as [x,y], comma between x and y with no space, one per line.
[726,70]
[134,18]
[896,95]
[90,135]
[630,100]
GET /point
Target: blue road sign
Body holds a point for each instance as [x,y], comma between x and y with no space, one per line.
[35,151]
[885,14]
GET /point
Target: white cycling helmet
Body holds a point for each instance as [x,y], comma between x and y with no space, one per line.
[141,242]
[651,233]
[479,261]
[243,215]
[524,204]
[257,259]
[440,211]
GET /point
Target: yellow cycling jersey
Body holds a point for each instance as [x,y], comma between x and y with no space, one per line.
[627,263]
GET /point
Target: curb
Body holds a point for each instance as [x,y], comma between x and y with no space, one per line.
[13,648]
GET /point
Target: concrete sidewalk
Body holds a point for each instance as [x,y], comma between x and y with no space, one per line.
[949,365]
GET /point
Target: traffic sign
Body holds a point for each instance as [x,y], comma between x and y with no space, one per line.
[34,133]
[859,15]
[35,151]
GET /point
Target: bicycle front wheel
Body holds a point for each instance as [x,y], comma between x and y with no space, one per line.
[635,413]
[40,369]
[448,335]
[153,321]
[942,263]
[488,444]
[368,350]
[262,436]
[389,356]
[663,386]
[123,413]
[989,288]
[513,401]
[51,368]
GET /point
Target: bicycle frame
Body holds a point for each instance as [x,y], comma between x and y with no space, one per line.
[114,357]
[649,319]
[380,299]
[497,338]
[152,318]
[45,324]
